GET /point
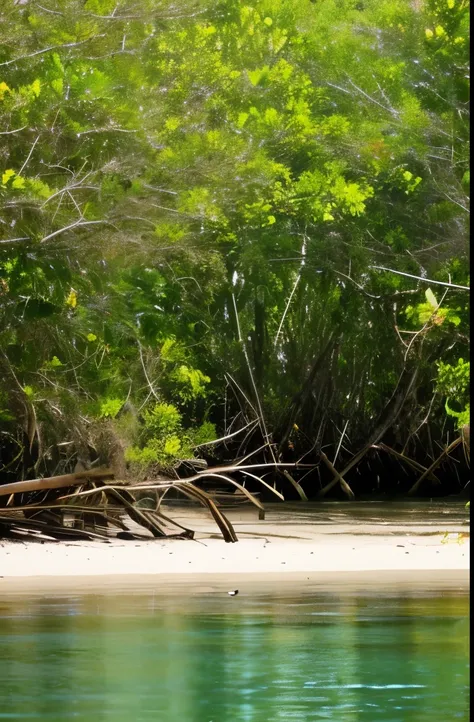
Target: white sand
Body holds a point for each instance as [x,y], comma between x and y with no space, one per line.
[273,547]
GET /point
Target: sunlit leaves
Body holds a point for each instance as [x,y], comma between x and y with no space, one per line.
[110,407]
[4,89]
[148,160]
[71,300]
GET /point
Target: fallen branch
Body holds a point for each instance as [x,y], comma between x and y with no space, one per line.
[226,528]
[55,482]
[184,486]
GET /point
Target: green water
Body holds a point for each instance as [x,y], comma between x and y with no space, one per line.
[252,658]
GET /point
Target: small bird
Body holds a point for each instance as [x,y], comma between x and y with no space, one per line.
[234,593]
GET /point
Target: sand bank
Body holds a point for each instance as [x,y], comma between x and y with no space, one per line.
[302,548]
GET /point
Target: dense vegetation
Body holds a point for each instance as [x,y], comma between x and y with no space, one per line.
[219,216]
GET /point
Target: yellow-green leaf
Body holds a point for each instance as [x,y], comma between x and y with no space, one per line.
[431,298]
[71,300]
[7,175]
[57,85]
[4,89]
[36,87]
[18,182]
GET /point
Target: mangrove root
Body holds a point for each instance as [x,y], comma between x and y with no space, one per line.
[434,465]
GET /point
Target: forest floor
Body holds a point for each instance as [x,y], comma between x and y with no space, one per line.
[332,544]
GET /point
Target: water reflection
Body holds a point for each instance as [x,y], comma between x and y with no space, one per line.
[247,659]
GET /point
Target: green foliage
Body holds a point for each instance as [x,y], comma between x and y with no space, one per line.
[162,420]
[152,165]
[453,382]
[191,383]
[463,417]
[162,439]
[454,379]
[109,408]
[5,414]
[432,311]
[204,433]
[29,392]
[54,363]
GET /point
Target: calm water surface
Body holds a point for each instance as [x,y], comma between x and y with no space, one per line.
[252,658]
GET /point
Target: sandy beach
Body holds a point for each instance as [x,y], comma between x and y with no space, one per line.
[304,547]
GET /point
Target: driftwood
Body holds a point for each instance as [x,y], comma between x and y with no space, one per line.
[123,498]
[54,482]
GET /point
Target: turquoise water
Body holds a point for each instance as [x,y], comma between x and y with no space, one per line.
[251,658]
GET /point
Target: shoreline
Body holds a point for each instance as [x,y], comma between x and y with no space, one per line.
[391,561]
[282,550]
[367,583]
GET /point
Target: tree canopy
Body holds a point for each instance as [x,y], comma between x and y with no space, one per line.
[224,216]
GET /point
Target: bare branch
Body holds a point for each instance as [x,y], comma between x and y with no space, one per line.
[420,278]
[150,385]
[29,155]
[10,132]
[293,290]
[14,240]
[51,47]
[73,225]
[228,436]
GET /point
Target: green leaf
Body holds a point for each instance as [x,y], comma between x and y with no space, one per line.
[431,298]
[172,446]
[110,407]
[7,175]
[36,87]
[18,182]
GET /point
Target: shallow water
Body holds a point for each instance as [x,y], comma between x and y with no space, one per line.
[367,518]
[256,657]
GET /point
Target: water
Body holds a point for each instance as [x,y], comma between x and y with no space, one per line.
[257,657]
